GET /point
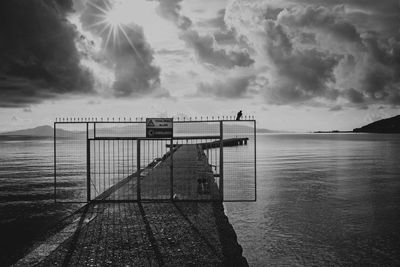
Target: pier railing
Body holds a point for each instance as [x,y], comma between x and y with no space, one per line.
[105,160]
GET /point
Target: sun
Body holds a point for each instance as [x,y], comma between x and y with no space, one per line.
[113,18]
[119,14]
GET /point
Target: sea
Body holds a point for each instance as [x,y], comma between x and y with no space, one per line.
[322,199]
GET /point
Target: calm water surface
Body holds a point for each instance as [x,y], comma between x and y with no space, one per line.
[323,199]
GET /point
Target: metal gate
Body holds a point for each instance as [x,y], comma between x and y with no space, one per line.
[210,160]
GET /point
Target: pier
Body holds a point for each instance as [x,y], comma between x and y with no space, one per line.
[155,233]
[226,143]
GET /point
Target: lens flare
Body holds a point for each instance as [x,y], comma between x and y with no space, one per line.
[114,17]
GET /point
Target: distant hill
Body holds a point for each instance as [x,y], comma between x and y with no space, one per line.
[390,125]
[40,131]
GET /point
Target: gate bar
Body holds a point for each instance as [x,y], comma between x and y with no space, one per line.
[171,169]
[255,162]
[138,193]
[221,160]
[87,163]
[55,163]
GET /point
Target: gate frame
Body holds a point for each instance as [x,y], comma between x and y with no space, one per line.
[138,199]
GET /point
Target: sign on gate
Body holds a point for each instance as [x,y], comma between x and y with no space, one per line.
[159,128]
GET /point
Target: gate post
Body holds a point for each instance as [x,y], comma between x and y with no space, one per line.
[221,159]
[55,161]
[171,170]
[138,170]
[87,163]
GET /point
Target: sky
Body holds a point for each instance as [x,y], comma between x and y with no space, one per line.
[301,65]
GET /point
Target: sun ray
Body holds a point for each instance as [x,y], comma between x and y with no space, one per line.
[130,43]
[98,7]
[108,37]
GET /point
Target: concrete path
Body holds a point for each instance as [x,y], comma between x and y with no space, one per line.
[189,165]
[149,233]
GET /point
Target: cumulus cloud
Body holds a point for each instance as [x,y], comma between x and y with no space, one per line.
[171,10]
[135,72]
[208,53]
[232,87]
[329,21]
[300,74]
[325,51]
[129,55]
[38,56]
[205,46]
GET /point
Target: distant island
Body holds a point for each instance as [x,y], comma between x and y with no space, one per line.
[390,125]
[333,131]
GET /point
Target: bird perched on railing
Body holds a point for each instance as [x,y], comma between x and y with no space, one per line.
[239,115]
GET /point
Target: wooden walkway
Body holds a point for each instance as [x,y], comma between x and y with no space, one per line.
[149,233]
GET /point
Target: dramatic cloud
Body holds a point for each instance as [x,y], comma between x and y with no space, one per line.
[208,53]
[354,96]
[38,56]
[222,34]
[300,74]
[134,70]
[233,87]
[324,51]
[125,51]
[320,18]
[205,46]
[171,10]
